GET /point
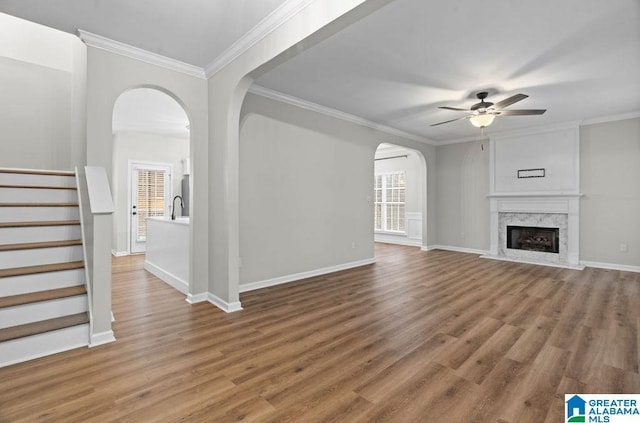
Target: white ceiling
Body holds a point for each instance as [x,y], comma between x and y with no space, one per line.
[580,59]
[193,32]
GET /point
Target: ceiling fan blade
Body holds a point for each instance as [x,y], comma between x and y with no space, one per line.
[509,101]
[522,112]
[447,121]
[453,108]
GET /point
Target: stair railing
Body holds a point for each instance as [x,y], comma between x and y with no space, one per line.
[96,209]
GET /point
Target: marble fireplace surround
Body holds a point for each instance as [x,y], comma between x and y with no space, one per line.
[540,210]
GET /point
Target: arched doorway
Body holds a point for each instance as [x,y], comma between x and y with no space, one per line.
[150,163]
[400,195]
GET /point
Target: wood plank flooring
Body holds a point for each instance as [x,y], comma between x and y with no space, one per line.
[416,337]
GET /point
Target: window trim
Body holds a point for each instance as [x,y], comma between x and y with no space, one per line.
[383,203]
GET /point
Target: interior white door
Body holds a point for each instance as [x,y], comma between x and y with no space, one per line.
[150,197]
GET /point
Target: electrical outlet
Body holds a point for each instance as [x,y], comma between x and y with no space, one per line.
[353,244]
[624,248]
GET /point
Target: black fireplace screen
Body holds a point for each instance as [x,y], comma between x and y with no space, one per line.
[531,238]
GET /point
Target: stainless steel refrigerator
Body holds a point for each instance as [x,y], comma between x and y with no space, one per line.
[185,195]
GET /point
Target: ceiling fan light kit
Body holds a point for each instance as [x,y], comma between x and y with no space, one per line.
[482,120]
[482,114]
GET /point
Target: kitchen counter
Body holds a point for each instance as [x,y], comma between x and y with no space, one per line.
[167,251]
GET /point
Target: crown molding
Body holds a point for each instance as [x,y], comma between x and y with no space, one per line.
[613,118]
[270,23]
[304,104]
[463,140]
[136,53]
[545,128]
[575,124]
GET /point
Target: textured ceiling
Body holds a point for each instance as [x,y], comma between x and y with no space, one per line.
[580,59]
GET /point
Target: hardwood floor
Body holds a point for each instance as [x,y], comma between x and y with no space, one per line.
[416,337]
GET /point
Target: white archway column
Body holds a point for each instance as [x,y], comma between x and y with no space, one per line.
[227,88]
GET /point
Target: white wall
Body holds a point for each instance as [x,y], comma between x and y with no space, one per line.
[555,150]
[147,148]
[462,206]
[42,80]
[610,182]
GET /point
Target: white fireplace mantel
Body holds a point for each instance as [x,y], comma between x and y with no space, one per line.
[536,204]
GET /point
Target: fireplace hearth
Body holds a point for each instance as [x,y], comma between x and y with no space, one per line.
[532,238]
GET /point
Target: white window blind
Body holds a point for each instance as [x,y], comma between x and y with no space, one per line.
[389,204]
[151,185]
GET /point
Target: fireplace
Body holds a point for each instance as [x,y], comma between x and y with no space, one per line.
[532,238]
[554,218]
[536,219]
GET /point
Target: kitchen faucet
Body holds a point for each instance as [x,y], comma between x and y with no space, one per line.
[173,207]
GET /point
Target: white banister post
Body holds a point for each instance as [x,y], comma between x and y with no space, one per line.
[101,204]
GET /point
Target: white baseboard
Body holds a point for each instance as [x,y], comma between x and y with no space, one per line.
[303,275]
[169,278]
[611,266]
[215,300]
[101,338]
[455,249]
[398,240]
[223,305]
[119,253]
[196,298]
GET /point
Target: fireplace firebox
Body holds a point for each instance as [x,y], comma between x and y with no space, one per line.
[532,238]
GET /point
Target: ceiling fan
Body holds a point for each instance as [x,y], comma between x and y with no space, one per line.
[483,113]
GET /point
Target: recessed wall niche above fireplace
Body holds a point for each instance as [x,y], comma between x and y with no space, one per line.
[536,219]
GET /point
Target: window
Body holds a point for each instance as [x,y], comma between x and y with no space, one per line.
[389,205]
[151,199]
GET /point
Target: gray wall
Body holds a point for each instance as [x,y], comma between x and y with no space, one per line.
[108,76]
[610,182]
[306,187]
[462,207]
[146,148]
[303,197]
[42,81]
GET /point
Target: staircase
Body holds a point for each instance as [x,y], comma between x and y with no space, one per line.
[43,298]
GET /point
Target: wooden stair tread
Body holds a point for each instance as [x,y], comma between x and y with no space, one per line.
[34,245]
[38,187]
[38,172]
[34,297]
[38,204]
[39,223]
[36,328]
[43,268]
